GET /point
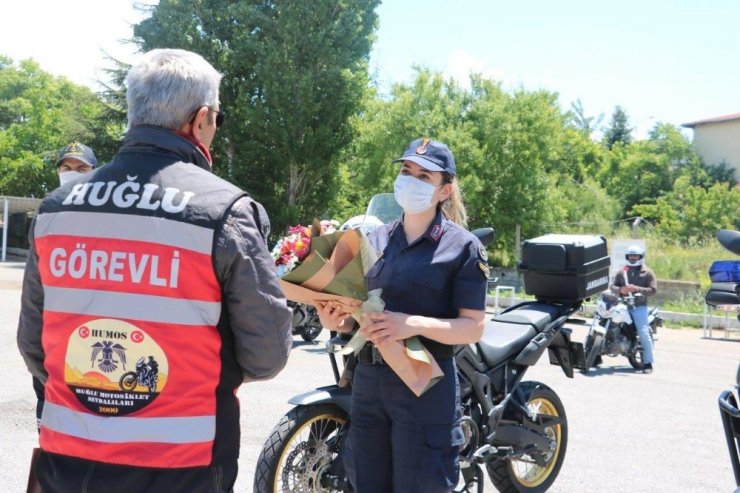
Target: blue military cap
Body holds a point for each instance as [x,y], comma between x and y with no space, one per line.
[430,155]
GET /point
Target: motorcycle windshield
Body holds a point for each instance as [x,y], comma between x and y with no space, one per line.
[382,209]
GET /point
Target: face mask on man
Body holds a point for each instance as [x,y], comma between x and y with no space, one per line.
[413,194]
[68,176]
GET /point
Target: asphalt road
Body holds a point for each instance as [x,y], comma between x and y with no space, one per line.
[629,432]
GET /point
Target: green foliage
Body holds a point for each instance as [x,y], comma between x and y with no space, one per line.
[519,161]
[586,124]
[618,130]
[689,213]
[294,73]
[40,114]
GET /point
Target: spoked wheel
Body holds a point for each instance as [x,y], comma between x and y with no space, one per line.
[535,471]
[300,451]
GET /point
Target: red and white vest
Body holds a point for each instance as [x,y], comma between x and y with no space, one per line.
[132,307]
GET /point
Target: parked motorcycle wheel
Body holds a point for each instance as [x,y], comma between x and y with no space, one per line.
[300,449]
[523,474]
[128,381]
[592,349]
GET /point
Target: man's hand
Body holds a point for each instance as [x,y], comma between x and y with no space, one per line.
[629,288]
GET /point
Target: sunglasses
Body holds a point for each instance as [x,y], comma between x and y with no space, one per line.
[220,115]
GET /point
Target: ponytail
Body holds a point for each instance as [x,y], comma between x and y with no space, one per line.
[453,208]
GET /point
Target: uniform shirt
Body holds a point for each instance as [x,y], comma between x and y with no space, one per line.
[643,278]
[441,272]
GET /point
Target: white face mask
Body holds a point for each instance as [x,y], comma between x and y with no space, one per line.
[68,176]
[413,194]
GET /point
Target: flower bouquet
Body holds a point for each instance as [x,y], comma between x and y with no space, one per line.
[318,264]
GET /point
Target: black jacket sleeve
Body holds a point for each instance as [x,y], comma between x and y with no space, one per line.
[32,312]
[259,315]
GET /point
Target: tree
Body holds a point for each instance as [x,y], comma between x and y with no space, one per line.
[40,114]
[507,146]
[586,124]
[294,73]
[691,214]
[618,129]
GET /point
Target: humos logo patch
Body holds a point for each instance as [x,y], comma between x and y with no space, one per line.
[113,367]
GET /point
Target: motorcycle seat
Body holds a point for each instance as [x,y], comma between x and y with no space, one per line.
[536,314]
[500,340]
[723,293]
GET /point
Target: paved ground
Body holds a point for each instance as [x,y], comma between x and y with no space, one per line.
[628,432]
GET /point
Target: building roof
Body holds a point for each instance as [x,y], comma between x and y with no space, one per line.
[716,119]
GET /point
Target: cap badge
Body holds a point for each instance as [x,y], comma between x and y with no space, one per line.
[422,149]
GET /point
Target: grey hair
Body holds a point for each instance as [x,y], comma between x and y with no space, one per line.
[167,86]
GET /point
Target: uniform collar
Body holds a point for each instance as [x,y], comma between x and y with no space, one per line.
[433,233]
[165,139]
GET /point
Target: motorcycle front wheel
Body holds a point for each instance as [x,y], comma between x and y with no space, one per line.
[128,381]
[300,450]
[523,475]
[592,349]
[636,359]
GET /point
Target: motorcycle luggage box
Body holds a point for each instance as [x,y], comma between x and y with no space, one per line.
[725,271]
[565,268]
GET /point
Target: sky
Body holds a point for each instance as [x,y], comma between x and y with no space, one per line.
[662,61]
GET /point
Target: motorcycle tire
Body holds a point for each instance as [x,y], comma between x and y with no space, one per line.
[636,359]
[128,381]
[524,476]
[592,349]
[300,449]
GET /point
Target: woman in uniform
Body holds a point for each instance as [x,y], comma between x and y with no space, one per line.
[433,273]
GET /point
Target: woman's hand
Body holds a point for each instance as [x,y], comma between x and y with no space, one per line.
[333,316]
[385,327]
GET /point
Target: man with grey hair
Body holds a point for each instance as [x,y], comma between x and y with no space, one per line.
[149,297]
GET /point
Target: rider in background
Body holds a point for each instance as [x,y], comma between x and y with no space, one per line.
[636,278]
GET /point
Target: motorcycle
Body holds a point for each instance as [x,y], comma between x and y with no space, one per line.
[306,321]
[725,290]
[613,332]
[146,374]
[516,430]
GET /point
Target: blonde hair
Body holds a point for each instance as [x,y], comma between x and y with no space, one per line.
[453,208]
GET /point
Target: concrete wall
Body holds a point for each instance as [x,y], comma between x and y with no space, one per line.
[667,290]
[717,142]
